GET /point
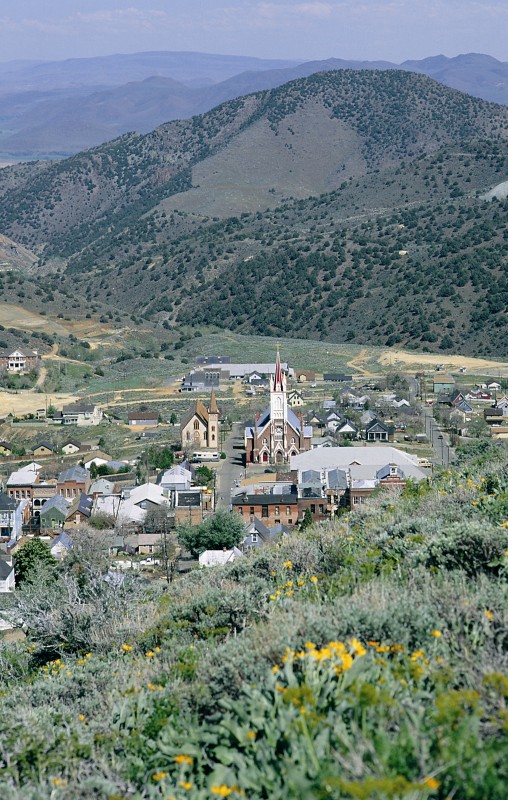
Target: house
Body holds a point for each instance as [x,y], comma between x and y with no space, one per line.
[54,512]
[305,376]
[295,399]
[7,581]
[201,381]
[61,546]
[271,509]
[329,405]
[216,558]
[73,481]
[80,510]
[101,486]
[144,418]
[493,416]
[19,360]
[44,449]
[347,429]
[14,514]
[366,468]
[132,504]
[443,384]
[494,386]
[81,414]
[40,493]
[258,534]
[176,479]
[97,457]
[206,360]
[199,427]
[377,431]
[278,433]
[21,482]
[71,446]
[5,449]
[192,505]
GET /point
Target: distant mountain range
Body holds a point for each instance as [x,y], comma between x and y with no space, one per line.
[54,109]
[343,205]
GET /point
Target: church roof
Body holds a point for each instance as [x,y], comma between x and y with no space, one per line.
[278,385]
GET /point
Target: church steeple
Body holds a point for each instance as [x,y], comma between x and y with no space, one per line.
[214,409]
[278,385]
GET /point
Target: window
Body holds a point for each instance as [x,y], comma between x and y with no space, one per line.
[312,508]
[288,511]
[254,538]
[355,500]
[277,512]
[240,510]
[196,425]
[321,508]
[278,433]
[251,510]
[290,521]
[264,511]
[213,437]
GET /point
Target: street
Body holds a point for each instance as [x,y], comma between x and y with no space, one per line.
[231,469]
[444,454]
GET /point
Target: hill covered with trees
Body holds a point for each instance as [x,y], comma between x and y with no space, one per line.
[345,205]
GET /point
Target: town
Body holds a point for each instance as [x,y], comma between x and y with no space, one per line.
[318,446]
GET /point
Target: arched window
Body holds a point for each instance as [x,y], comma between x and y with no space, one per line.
[196,425]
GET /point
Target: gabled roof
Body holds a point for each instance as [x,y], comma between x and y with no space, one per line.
[63,539]
[47,445]
[5,569]
[76,473]
[82,505]
[57,502]
[141,415]
[78,408]
[7,503]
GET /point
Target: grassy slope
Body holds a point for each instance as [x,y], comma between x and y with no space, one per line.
[220,669]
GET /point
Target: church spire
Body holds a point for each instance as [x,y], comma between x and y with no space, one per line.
[213,403]
[278,385]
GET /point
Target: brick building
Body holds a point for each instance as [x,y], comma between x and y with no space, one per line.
[278,433]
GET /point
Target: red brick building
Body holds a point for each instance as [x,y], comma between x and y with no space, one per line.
[278,433]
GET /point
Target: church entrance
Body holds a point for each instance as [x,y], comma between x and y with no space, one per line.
[265,457]
[279,457]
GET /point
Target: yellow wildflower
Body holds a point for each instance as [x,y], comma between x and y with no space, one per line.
[273,597]
[58,782]
[149,654]
[127,647]
[431,783]
[489,614]
[358,647]
[251,735]
[288,564]
[314,579]
[436,633]
[159,776]
[82,718]
[222,790]
[183,759]
[185,785]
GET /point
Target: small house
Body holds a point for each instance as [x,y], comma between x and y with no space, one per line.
[7,581]
[44,449]
[54,512]
[143,418]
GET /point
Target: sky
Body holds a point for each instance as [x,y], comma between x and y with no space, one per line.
[393,30]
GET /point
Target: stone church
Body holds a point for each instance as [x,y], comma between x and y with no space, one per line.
[278,433]
[199,427]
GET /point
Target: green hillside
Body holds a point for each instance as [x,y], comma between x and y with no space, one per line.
[346,205]
[364,658]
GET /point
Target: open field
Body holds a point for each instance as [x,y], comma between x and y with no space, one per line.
[27,402]
[399,359]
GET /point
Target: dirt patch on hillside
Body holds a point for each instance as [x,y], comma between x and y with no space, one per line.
[12,316]
[27,402]
[404,360]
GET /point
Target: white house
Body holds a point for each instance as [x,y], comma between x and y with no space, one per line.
[216,558]
[7,582]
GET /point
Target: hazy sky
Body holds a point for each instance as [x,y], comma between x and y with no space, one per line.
[302,29]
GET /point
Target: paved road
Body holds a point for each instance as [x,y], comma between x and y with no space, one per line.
[231,469]
[443,453]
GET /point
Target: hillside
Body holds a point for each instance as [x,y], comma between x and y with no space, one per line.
[340,206]
[76,104]
[361,658]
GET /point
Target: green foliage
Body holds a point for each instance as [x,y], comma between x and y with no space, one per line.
[30,558]
[160,457]
[204,475]
[222,530]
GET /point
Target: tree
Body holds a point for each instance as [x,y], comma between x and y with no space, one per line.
[173,419]
[30,557]
[204,475]
[223,530]
[307,519]
[160,457]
